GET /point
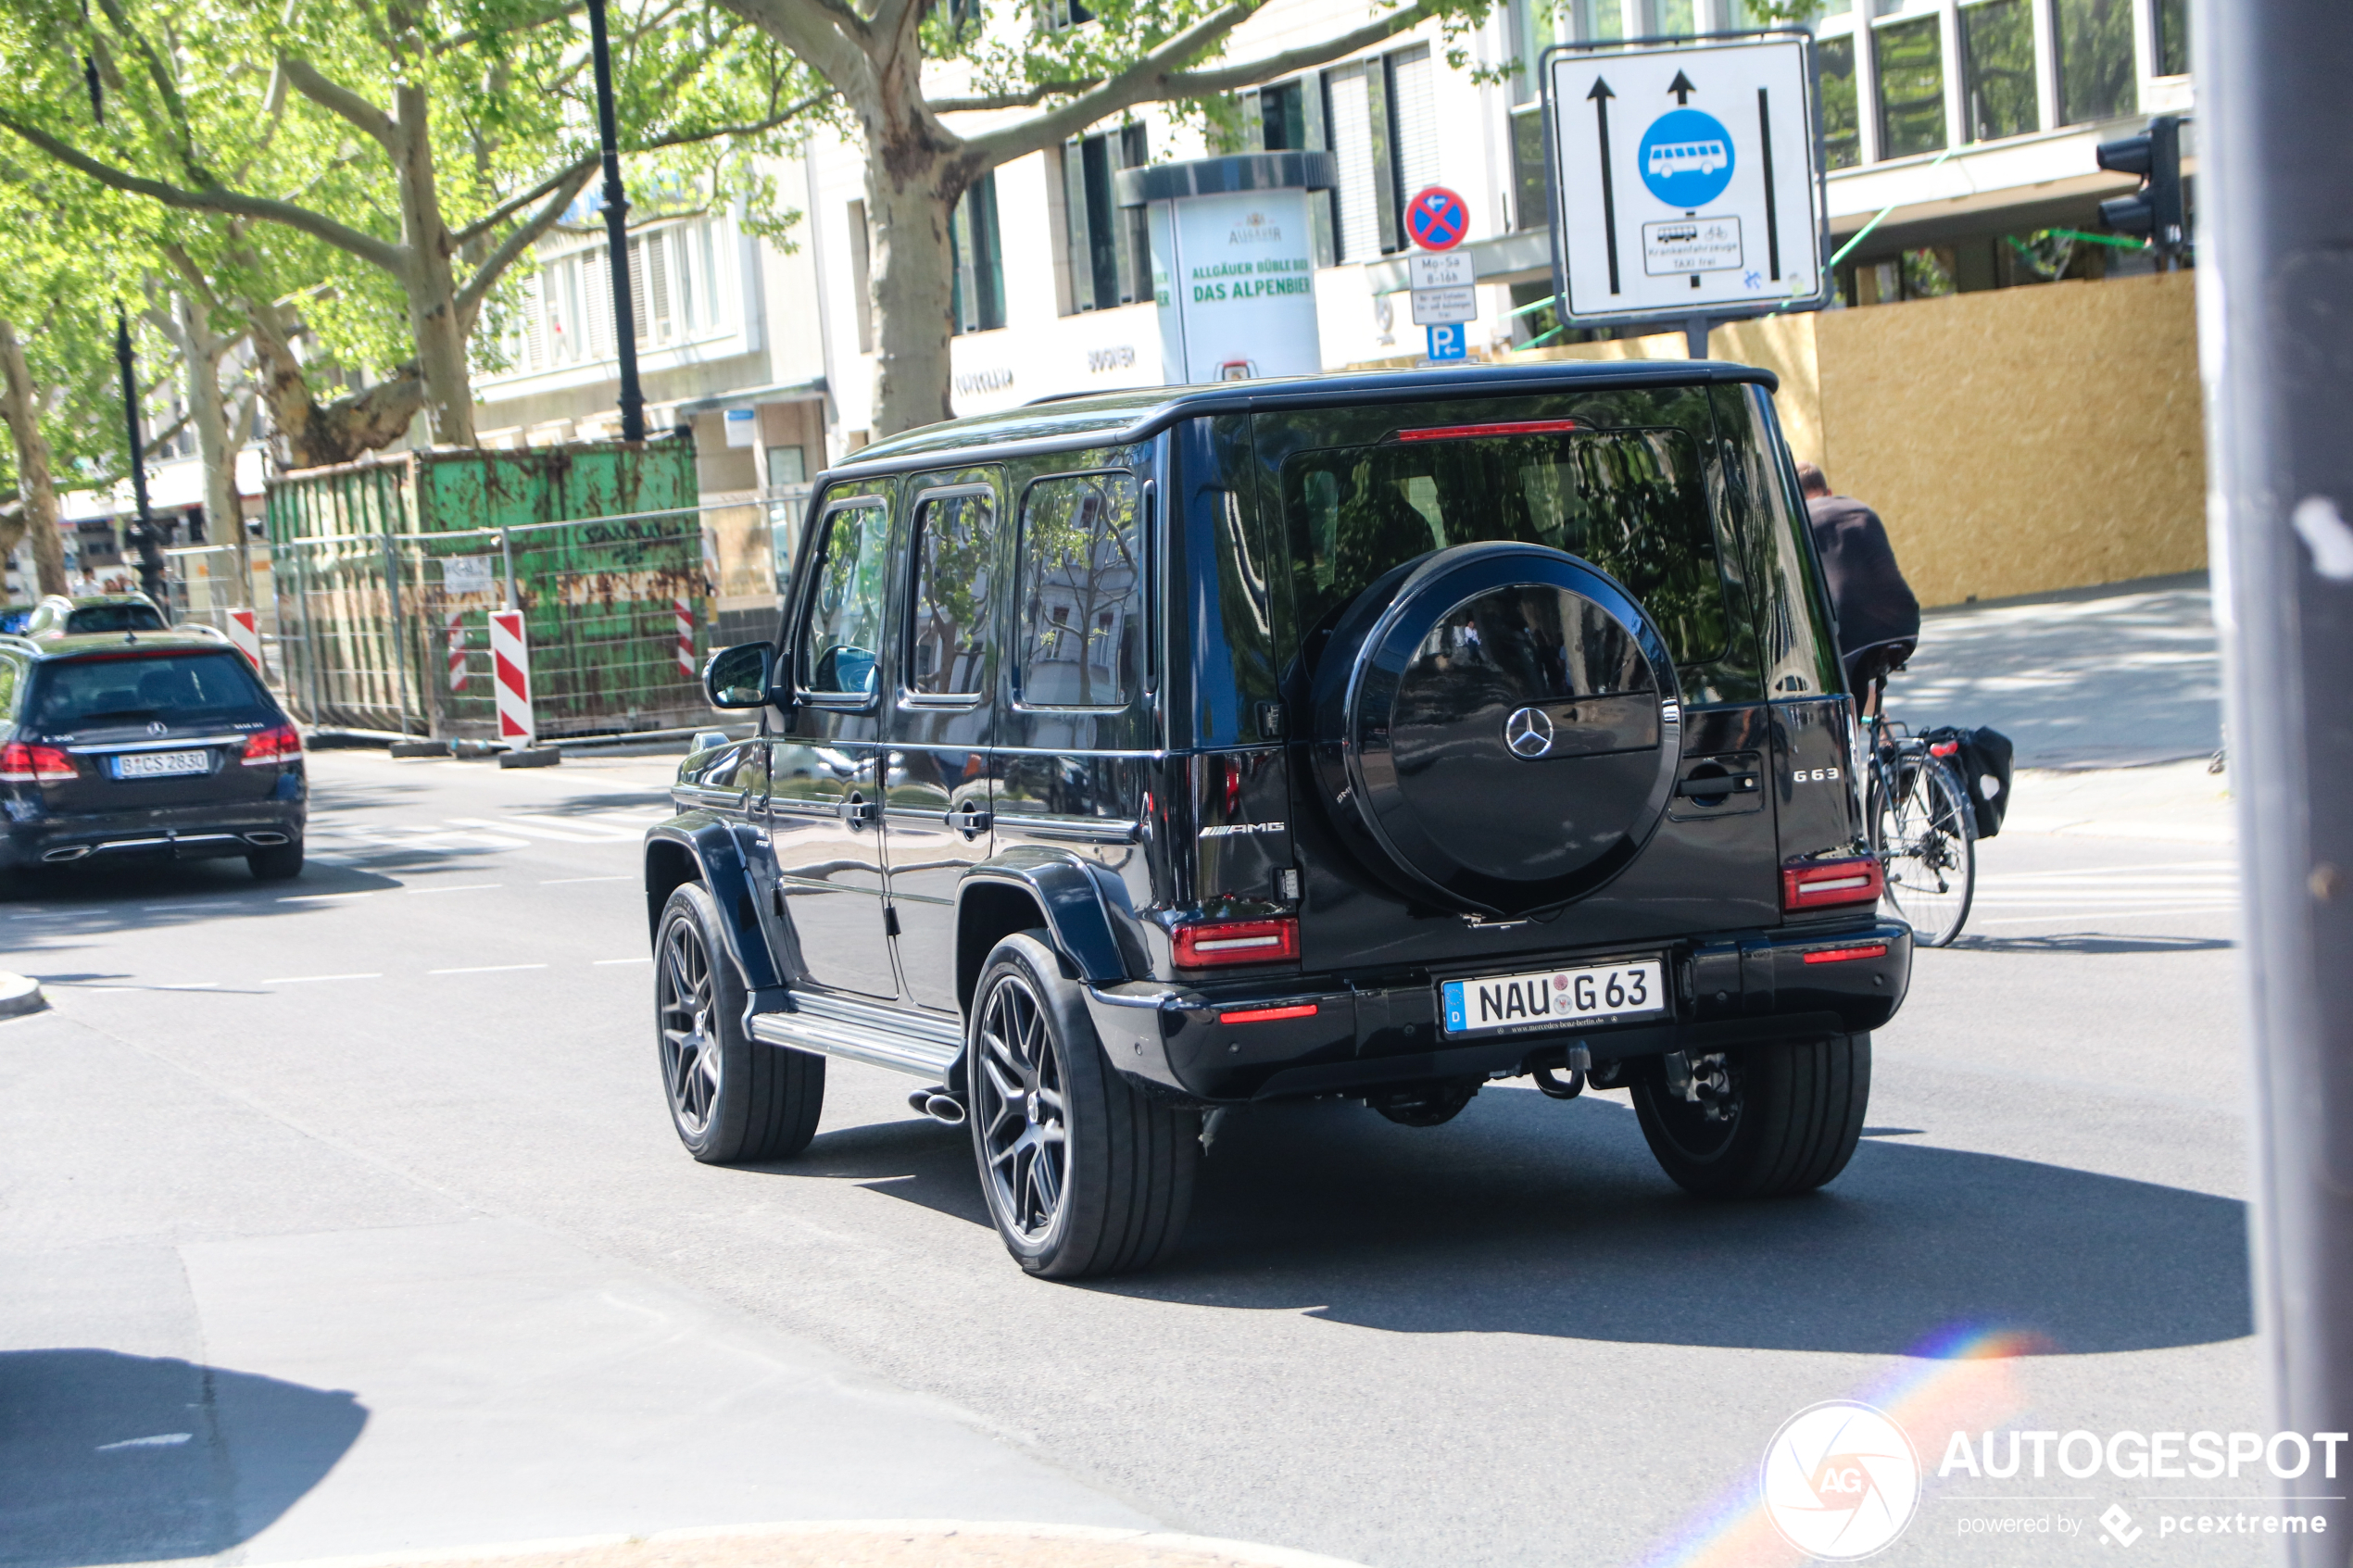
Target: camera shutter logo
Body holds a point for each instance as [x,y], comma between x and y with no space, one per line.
[1840,1480]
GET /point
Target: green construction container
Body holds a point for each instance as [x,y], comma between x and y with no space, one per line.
[389,570]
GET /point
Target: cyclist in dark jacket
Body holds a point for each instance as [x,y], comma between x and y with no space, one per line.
[1878,620]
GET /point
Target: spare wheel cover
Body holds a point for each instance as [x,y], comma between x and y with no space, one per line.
[1510,727]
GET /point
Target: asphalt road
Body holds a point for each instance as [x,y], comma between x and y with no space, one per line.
[345,1217]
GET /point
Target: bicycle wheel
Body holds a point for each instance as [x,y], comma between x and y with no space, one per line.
[1927,840]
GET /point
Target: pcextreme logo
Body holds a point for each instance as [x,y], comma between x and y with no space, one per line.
[1840,1480]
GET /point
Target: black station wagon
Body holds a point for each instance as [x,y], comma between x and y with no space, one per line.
[1129,757]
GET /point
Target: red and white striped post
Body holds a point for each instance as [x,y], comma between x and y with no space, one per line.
[456,650]
[510,670]
[245,635]
[686,636]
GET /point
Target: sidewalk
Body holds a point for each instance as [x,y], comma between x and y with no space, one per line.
[2117,676]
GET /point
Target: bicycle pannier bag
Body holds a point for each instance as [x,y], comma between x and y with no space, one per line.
[1984,763]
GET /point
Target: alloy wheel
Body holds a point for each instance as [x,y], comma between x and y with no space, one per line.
[1019,1100]
[689,1046]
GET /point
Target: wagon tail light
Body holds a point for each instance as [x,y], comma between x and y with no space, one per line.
[1511,427]
[1214,943]
[283,744]
[34,764]
[1829,885]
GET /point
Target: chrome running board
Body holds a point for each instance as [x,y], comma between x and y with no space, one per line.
[924,1045]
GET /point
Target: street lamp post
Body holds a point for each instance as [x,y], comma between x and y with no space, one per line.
[143,532]
[625,318]
[2276,179]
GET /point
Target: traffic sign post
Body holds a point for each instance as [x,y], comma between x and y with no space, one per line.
[1445,288]
[1437,219]
[1449,342]
[1686,180]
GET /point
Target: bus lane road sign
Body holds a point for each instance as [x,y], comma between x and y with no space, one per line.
[1686,179]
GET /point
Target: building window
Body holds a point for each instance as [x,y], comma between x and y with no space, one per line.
[1057,16]
[2172,37]
[1997,59]
[1599,20]
[1531,205]
[676,292]
[1282,116]
[1380,117]
[1678,19]
[2095,41]
[977,296]
[1841,127]
[1910,57]
[862,278]
[1110,252]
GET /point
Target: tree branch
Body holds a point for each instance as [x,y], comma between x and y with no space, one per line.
[470,298]
[1028,98]
[1135,84]
[341,101]
[474,35]
[568,174]
[367,247]
[1228,79]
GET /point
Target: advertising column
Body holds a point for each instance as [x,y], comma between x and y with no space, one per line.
[1233,263]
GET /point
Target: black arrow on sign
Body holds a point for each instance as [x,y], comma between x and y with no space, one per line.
[1681,87]
[1601,94]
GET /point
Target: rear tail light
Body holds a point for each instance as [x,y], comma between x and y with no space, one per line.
[1511,427]
[1828,884]
[1237,941]
[283,744]
[34,764]
[1269,1015]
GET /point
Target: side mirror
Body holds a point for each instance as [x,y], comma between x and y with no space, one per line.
[738,677]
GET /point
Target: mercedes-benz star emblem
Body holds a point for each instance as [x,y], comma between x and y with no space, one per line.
[1528,732]
[157,727]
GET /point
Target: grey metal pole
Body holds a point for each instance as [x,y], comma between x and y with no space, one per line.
[1695,330]
[624,317]
[149,546]
[2275,330]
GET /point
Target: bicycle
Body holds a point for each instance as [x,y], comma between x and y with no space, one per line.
[1923,828]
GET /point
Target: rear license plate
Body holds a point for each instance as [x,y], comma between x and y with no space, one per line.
[1555,998]
[160,764]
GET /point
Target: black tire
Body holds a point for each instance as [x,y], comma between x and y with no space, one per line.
[279,862]
[1116,1196]
[732,1097]
[1771,1121]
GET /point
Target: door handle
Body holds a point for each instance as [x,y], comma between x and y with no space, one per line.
[969,819]
[858,808]
[1723,784]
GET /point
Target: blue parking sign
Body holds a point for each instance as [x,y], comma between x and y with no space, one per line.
[1449,342]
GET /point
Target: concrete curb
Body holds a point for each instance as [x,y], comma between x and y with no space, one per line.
[740,1543]
[19,995]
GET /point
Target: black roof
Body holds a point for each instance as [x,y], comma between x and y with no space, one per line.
[1118,419]
[177,640]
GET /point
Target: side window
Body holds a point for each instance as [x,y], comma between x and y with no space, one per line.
[955,549]
[845,623]
[1081,632]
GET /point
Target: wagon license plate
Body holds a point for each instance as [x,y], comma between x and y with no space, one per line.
[1556,997]
[160,764]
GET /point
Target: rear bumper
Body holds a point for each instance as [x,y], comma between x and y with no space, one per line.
[187,832]
[1738,990]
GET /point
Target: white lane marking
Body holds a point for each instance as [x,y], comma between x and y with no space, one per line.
[607,830]
[468,887]
[533,831]
[307,979]
[487,969]
[160,1440]
[601,962]
[571,881]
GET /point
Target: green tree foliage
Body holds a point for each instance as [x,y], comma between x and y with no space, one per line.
[1018,76]
[365,175]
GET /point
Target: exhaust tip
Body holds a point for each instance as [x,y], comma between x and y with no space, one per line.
[265,838]
[70,852]
[940,1105]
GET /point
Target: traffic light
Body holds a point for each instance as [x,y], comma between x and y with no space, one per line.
[2154,211]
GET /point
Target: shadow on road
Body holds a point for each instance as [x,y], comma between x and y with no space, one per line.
[1525,1216]
[108,1458]
[2084,945]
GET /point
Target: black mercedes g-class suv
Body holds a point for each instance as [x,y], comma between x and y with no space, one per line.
[1130,757]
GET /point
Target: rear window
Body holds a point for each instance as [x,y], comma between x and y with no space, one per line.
[1633,502]
[115,618]
[189,686]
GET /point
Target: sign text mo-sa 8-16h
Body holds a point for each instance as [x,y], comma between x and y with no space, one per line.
[1686,178]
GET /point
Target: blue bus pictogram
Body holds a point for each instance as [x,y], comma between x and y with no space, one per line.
[1686,158]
